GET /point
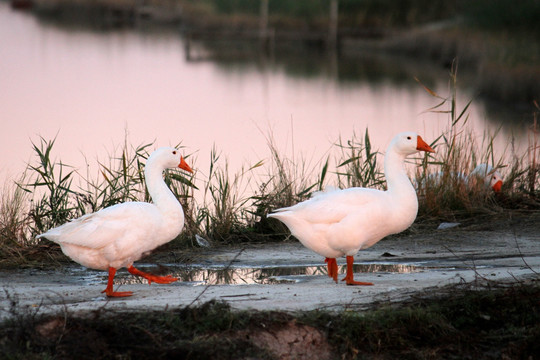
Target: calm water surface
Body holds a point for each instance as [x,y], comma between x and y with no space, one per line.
[91,88]
[220,275]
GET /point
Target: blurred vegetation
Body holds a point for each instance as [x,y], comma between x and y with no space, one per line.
[489,14]
[507,15]
[498,41]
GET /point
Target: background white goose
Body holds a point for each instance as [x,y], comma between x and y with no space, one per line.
[489,176]
[117,236]
[339,223]
[483,174]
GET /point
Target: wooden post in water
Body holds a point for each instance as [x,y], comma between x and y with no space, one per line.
[263,21]
[333,24]
[265,37]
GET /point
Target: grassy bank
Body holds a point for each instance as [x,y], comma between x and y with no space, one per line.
[431,326]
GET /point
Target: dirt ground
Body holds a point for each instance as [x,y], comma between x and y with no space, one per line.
[502,248]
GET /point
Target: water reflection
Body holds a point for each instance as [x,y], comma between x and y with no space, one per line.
[248,276]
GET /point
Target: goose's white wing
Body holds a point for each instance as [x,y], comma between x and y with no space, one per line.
[333,206]
[99,229]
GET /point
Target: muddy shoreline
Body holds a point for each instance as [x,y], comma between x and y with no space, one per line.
[469,291]
[502,251]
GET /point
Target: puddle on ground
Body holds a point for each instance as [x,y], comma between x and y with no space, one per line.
[194,275]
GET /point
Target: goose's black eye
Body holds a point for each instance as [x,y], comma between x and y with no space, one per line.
[408,138]
[174,152]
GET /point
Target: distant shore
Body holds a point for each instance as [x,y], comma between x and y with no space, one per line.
[506,66]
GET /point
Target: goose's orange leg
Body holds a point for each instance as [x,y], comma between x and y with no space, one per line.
[349,278]
[109,289]
[157,279]
[332,268]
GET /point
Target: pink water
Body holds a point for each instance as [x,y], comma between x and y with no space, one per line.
[90,89]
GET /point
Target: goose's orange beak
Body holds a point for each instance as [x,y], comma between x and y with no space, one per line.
[421,145]
[183,165]
[498,185]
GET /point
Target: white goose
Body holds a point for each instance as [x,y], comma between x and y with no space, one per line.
[484,175]
[339,223]
[488,175]
[117,236]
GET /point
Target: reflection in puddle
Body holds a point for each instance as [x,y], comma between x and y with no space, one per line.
[246,275]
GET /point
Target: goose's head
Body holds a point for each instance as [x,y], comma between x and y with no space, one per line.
[491,176]
[168,157]
[496,181]
[408,143]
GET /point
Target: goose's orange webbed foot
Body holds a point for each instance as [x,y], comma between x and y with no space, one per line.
[349,278]
[111,293]
[109,289]
[152,278]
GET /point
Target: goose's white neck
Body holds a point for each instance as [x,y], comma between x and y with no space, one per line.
[161,195]
[399,184]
